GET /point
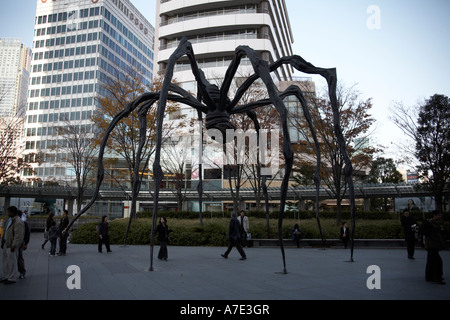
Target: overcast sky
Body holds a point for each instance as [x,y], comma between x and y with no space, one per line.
[393,50]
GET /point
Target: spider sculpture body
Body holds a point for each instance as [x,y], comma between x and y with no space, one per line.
[214,104]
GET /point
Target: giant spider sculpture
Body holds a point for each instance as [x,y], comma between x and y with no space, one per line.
[213,103]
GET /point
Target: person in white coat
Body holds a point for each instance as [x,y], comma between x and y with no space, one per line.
[243,220]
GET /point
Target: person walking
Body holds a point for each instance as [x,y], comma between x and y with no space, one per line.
[344,233]
[243,220]
[23,247]
[48,224]
[432,229]
[163,237]
[103,234]
[63,233]
[296,234]
[409,230]
[53,233]
[234,237]
[11,242]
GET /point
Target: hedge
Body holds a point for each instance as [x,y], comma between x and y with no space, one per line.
[140,234]
[364,215]
[215,231]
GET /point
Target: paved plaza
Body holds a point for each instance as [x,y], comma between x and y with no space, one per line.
[201,274]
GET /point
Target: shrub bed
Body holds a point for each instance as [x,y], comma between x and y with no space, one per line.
[188,232]
[371,215]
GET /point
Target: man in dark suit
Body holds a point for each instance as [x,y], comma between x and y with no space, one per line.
[409,230]
[344,234]
[433,229]
[63,233]
[234,235]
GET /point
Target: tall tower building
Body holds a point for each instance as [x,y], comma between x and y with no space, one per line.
[77,46]
[15,60]
[216,28]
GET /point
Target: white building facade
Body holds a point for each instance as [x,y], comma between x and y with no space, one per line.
[77,46]
[217,28]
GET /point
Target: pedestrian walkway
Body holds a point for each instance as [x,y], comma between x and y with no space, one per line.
[201,274]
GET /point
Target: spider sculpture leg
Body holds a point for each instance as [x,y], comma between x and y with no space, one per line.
[200,168]
[262,69]
[252,115]
[184,48]
[143,111]
[330,75]
[101,168]
[295,91]
[145,101]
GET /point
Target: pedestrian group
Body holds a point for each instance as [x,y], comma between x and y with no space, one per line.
[16,236]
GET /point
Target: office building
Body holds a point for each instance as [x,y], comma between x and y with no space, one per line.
[77,45]
[216,29]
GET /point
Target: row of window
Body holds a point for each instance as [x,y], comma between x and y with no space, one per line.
[243,9]
[209,63]
[56,117]
[69,52]
[218,36]
[47,172]
[62,41]
[65,16]
[66,77]
[61,91]
[70,64]
[47,144]
[50,131]
[56,104]
[92,24]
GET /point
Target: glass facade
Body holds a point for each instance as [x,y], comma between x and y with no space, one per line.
[75,50]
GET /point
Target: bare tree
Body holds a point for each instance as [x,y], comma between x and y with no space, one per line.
[405,118]
[240,168]
[125,140]
[11,159]
[81,155]
[356,123]
[178,163]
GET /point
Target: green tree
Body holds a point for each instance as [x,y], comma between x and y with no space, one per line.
[384,171]
[428,128]
[433,145]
